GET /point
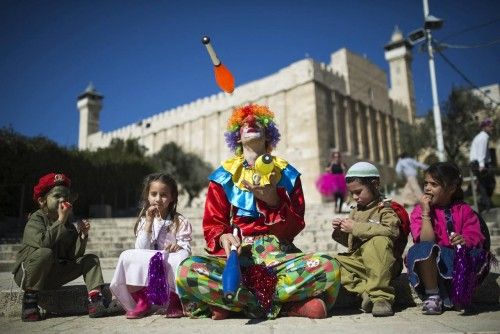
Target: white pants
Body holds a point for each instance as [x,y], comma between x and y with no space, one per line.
[132,269]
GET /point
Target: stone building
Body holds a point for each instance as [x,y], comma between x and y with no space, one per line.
[346,104]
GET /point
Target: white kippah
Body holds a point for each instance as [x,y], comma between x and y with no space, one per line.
[362,169]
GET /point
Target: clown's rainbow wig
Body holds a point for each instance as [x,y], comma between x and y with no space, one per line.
[265,118]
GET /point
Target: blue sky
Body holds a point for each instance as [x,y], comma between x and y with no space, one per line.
[146,56]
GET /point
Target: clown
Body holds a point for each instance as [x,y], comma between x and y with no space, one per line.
[269,213]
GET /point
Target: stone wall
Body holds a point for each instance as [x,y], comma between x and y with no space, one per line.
[314,113]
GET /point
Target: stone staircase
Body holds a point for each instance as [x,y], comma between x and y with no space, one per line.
[109,237]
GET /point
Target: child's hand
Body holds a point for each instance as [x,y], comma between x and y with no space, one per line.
[152,212]
[84,227]
[425,203]
[336,223]
[457,239]
[173,247]
[346,225]
[63,211]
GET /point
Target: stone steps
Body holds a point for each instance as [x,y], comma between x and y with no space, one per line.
[109,237]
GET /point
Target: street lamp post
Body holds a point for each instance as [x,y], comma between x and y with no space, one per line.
[430,23]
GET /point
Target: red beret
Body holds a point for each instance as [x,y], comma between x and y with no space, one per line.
[48,182]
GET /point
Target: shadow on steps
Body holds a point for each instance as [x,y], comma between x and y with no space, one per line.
[72,300]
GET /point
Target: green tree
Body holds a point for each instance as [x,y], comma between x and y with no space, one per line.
[187,168]
[124,148]
[418,136]
[460,123]
[108,176]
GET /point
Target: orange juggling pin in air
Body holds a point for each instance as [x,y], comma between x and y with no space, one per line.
[223,76]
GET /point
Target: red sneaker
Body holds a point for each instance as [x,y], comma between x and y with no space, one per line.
[314,308]
[98,305]
[30,311]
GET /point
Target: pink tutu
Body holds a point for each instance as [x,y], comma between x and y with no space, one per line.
[329,184]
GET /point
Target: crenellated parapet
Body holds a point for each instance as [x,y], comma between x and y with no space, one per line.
[318,106]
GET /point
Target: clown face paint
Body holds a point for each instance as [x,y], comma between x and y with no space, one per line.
[251,130]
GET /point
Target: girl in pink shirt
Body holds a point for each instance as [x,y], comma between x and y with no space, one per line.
[438,223]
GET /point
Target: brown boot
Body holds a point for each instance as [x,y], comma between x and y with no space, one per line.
[382,308]
[366,303]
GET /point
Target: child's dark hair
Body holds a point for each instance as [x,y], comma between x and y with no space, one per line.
[447,174]
[172,207]
[372,182]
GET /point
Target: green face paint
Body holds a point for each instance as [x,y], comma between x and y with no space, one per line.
[56,195]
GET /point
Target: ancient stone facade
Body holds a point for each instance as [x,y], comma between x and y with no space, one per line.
[318,107]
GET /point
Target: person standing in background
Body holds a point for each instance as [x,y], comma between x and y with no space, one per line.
[408,167]
[480,162]
[338,169]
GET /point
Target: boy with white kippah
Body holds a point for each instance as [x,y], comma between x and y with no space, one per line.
[369,233]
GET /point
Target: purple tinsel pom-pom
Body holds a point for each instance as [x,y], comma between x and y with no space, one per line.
[158,288]
[466,267]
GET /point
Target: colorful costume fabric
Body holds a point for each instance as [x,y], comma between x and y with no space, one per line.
[267,233]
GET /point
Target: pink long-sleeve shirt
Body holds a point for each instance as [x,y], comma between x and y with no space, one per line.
[465,221]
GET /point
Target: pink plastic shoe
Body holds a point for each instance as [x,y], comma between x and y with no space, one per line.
[174,309]
[143,306]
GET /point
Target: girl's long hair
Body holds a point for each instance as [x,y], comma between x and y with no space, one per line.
[172,207]
[447,174]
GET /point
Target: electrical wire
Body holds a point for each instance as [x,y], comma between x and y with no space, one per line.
[454,46]
[471,28]
[456,69]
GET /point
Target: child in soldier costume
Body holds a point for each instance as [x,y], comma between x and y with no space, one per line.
[370,233]
[53,250]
